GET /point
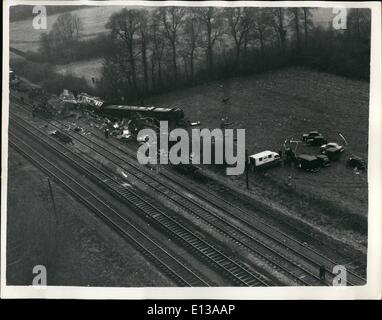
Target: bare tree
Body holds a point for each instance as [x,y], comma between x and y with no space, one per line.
[172,19]
[307,23]
[124,26]
[278,14]
[143,29]
[240,21]
[295,20]
[210,18]
[191,37]
[157,34]
[66,29]
[359,23]
[263,25]
[45,45]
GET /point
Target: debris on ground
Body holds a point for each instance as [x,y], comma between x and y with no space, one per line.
[62,137]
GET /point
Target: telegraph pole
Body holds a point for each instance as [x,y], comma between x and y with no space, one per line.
[52,197]
[247,168]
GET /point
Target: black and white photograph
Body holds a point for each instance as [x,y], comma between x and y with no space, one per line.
[175,144]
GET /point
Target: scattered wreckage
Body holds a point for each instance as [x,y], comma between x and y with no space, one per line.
[128,120]
[356,163]
[62,137]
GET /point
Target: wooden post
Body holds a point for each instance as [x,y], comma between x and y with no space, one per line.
[52,197]
[247,168]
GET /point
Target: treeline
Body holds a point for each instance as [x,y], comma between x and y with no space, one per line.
[164,48]
[62,52]
[63,43]
[154,50]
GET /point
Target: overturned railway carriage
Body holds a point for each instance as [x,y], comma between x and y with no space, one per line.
[87,100]
[125,111]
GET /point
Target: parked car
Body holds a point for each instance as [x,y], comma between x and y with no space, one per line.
[324,160]
[356,162]
[333,153]
[330,145]
[264,159]
[313,138]
[308,162]
[14,79]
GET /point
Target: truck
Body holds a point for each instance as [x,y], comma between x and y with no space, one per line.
[308,163]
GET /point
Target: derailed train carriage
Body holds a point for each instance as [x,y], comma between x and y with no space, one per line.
[126,111]
[104,108]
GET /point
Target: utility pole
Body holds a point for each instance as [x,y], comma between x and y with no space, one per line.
[297,142]
[283,153]
[53,230]
[346,142]
[247,165]
[225,102]
[52,197]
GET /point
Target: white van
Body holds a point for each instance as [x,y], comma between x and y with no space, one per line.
[264,159]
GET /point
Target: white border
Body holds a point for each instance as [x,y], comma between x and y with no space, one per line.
[372,290]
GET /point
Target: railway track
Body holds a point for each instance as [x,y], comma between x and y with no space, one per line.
[210,218]
[263,232]
[231,268]
[282,251]
[177,270]
[314,257]
[211,195]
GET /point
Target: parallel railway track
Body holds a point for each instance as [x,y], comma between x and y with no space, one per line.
[228,266]
[277,248]
[172,266]
[299,248]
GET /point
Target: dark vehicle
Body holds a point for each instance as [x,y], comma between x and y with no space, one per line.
[331,145]
[124,111]
[313,138]
[308,162]
[324,160]
[62,137]
[333,153]
[14,80]
[356,163]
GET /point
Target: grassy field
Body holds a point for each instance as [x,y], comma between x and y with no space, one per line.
[86,69]
[282,104]
[24,37]
[76,248]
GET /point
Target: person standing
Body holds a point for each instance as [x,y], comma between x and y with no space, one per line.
[322,273]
